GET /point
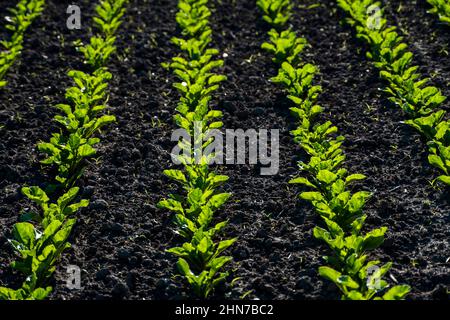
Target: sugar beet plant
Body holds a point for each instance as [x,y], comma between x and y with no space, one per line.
[200,259]
[405,86]
[41,237]
[25,12]
[442,9]
[341,210]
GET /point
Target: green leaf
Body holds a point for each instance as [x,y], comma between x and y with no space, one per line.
[444,179]
[176,175]
[183,267]
[354,177]
[68,197]
[217,263]
[311,196]
[41,293]
[172,205]
[217,180]
[195,196]
[48,148]
[348,282]
[203,246]
[71,209]
[218,200]
[326,177]
[335,229]
[329,273]
[397,292]
[304,181]
[24,233]
[61,236]
[356,203]
[374,238]
[355,295]
[35,194]
[216,79]
[289,70]
[51,230]
[225,244]
[86,151]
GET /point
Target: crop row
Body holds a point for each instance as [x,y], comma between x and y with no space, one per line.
[406,87]
[25,12]
[41,237]
[340,209]
[442,9]
[200,259]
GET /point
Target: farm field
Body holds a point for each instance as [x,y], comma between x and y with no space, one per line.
[120,239]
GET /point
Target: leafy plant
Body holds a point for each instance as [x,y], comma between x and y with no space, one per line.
[200,261]
[40,248]
[275,12]
[328,184]
[442,9]
[107,20]
[25,12]
[284,46]
[406,87]
[80,120]
[40,238]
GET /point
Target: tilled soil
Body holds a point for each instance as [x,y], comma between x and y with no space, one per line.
[120,240]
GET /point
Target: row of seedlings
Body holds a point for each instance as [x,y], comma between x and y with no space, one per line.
[200,259]
[442,9]
[22,16]
[42,236]
[406,87]
[341,210]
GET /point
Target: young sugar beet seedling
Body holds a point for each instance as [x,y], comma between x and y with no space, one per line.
[22,16]
[200,260]
[39,247]
[276,13]
[442,9]
[406,87]
[100,48]
[40,238]
[341,210]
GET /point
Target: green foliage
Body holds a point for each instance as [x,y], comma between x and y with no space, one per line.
[107,20]
[80,120]
[39,241]
[340,209]
[83,116]
[200,261]
[197,81]
[21,17]
[275,12]
[406,87]
[40,238]
[193,18]
[196,210]
[108,15]
[98,51]
[284,46]
[442,9]
[390,54]
[29,291]
[328,184]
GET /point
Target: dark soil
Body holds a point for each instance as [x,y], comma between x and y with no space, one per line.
[120,239]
